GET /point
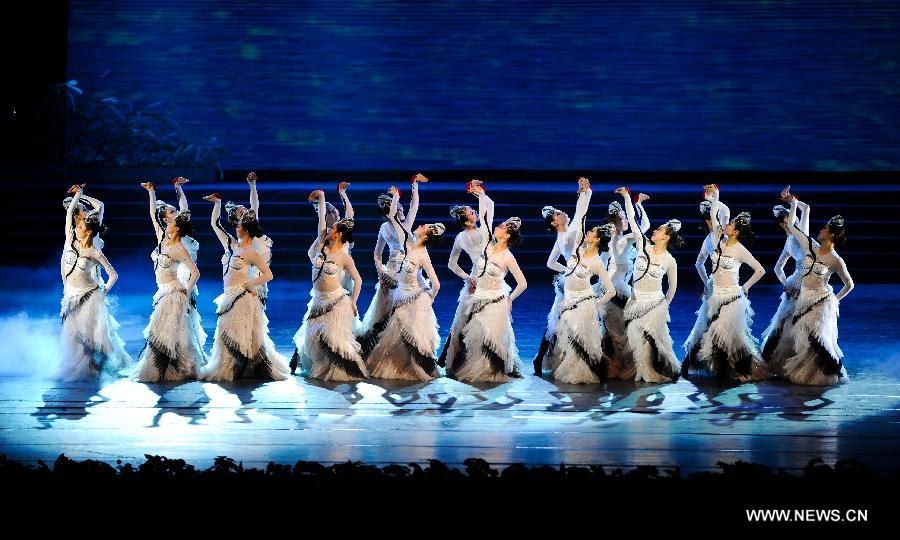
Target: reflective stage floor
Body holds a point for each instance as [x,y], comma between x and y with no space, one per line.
[689,424]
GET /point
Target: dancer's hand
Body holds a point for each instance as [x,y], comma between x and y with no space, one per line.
[473,282]
[76,188]
[251,177]
[394,191]
[744,289]
[509,304]
[355,310]
[642,197]
[214,197]
[316,195]
[786,194]
[149,186]
[709,190]
[342,187]
[419,178]
[621,191]
[583,184]
[179,181]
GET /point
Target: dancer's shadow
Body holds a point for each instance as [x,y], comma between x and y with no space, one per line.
[347,389]
[601,400]
[793,403]
[71,401]
[183,398]
[402,395]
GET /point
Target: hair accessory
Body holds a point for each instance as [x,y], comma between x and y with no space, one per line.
[437,228]
[513,223]
[705,207]
[457,211]
[548,211]
[742,219]
[674,224]
[346,222]
[384,200]
[608,229]
[779,210]
[615,208]
[837,221]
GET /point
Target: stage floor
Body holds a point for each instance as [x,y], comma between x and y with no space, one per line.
[620,424]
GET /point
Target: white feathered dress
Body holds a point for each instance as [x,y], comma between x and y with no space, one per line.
[577,354]
[722,343]
[172,350]
[89,337]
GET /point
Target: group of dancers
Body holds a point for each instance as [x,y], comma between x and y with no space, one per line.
[609,318]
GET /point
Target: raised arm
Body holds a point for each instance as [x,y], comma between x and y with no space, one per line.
[151,192]
[432,275]
[726,214]
[747,258]
[453,263]
[581,207]
[717,231]
[841,270]
[70,213]
[348,208]
[182,199]
[110,271]
[521,284]
[399,228]
[224,237]
[629,214]
[805,241]
[96,203]
[804,219]
[645,219]
[485,210]
[413,206]
[254,195]
[320,212]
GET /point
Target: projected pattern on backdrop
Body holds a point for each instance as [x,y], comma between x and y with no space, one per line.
[647,85]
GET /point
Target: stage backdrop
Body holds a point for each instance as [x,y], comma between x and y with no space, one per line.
[808,85]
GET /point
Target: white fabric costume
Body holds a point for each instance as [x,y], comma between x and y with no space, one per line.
[242,347]
[89,338]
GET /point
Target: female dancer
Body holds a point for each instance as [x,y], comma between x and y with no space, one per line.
[172,351]
[723,216]
[565,242]
[721,342]
[408,346]
[375,319]
[471,240]
[242,347]
[577,354]
[776,343]
[326,346]
[818,359]
[647,310]
[488,345]
[166,215]
[262,244]
[90,342]
[621,263]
